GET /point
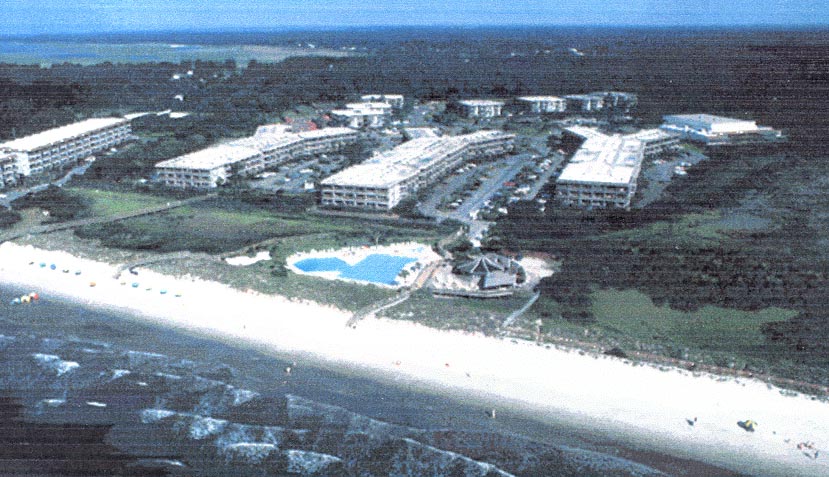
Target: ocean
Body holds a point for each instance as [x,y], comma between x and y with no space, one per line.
[93,393]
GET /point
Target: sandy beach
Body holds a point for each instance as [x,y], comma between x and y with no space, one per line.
[634,403]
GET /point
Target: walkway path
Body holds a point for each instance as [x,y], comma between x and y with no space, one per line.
[515,314]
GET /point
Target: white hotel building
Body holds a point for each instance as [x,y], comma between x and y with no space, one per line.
[395,100]
[56,148]
[602,173]
[269,147]
[480,108]
[541,104]
[384,180]
[367,115]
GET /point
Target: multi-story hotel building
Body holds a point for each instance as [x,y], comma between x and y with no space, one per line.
[384,180]
[362,115]
[602,173]
[395,100]
[269,147]
[479,108]
[541,104]
[56,148]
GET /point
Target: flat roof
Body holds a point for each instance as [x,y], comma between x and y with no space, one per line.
[481,102]
[605,160]
[406,160]
[705,118]
[326,132]
[650,135]
[60,134]
[368,105]
[539,98]
[357,112]
[210,158]
[585,132]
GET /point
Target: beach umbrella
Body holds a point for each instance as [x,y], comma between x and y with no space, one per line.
[52,266]
[135,284]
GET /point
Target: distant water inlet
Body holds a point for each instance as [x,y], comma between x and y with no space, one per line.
[392,265]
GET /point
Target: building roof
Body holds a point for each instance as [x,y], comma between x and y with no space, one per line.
[486,263]
[605,160]
[647,135]
[585,132]
[406,160]
[357,112]
[63,133]
[326,132]
[266,142]
[588,96]
[535,99]
[497,279]
[480,102]
[707,120]
[368,97]
[368,105]
[208,159]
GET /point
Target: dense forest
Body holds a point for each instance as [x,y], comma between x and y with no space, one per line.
[777,78]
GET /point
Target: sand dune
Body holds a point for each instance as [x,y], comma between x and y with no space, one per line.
[638,404]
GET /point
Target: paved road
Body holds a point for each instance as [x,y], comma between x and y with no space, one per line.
[544,177]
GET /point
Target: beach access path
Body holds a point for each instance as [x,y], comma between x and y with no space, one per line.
[646,407]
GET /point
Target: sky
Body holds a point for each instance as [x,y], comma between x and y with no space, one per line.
[23,17]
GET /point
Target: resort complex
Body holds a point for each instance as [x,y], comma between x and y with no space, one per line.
[55,148]
[383,181]
[268,148]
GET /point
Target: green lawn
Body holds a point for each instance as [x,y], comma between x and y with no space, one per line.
[105,203]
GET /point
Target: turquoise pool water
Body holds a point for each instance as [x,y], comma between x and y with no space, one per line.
[376,268]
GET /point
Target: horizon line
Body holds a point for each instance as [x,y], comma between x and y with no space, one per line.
[483,26]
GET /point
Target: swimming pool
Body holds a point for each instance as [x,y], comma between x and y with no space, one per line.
[375,268]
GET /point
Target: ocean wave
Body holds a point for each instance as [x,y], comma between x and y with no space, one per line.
[301,409]
[151,416]
[248,452]
[139,358]
[410,457]
[54,363]
[312,463]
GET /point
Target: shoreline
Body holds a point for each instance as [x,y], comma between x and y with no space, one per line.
[630,402]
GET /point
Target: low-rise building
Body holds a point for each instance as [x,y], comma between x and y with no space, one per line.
[62,146]
[656,141]
[395,100]
[602,173]
[269,147]
[541,104]
[362,115]
[585,103]
[617,100]
[479,108]
[384,180]
[718,130]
